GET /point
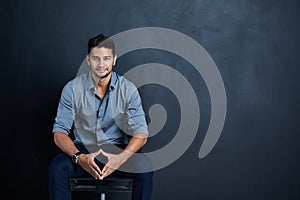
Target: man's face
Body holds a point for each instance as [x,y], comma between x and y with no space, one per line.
[101,61]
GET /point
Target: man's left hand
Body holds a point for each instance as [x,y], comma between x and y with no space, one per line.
[114,162]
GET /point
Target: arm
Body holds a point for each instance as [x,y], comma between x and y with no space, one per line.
[116,160]
[136,126]
[65,143]
[62,127]
[135,144]
[86,161]
[64,121]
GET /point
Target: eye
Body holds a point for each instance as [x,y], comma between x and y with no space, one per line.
[95,58]
[107,58]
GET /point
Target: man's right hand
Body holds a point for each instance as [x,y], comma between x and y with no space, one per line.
[87,162]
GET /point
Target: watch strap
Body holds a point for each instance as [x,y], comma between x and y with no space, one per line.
[75,157]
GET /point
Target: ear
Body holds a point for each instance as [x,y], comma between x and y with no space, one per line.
[88,59]
[115,60]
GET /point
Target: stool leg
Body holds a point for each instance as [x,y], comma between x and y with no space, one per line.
[103,196]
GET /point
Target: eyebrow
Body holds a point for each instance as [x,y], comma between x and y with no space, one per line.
[99,56]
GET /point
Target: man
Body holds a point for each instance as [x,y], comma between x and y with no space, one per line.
[101,108]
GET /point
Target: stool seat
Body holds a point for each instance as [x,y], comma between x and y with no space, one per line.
[108,185]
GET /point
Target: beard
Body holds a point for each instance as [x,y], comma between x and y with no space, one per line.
[105,75]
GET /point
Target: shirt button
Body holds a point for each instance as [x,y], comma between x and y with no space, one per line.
[101,107]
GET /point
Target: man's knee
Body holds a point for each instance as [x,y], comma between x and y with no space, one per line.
[146,177]
[59,164]
[137,164]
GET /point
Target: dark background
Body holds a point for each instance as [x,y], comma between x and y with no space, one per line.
[254,43]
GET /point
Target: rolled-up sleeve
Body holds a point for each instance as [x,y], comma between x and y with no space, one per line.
[65,112]
[136,115]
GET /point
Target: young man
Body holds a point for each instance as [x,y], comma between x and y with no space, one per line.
[101,108]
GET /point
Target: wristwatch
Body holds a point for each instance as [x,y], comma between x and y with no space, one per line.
[75,157]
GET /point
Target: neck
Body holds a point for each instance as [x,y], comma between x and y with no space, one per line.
[101,84]
[101,81]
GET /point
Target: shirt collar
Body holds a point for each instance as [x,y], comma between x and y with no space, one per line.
[113,81]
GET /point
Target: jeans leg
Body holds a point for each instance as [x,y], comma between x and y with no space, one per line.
[61,169]
[142,186]
[142,179]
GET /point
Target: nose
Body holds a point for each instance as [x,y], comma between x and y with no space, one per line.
[100,63]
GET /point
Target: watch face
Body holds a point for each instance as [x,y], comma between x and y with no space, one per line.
[75,157]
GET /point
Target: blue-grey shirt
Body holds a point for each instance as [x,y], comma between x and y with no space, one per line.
[97,121]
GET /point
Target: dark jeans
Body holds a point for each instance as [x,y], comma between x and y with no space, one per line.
[62,168]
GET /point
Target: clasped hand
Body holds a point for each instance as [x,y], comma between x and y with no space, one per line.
[87,162]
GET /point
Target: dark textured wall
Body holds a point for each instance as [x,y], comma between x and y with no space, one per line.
[255,45]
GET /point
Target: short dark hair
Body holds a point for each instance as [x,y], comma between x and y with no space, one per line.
[101,41]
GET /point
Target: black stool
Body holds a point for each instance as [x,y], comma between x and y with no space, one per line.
[111,184]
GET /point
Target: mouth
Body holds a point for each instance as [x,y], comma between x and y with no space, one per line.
[101,70]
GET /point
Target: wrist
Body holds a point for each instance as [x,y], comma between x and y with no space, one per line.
[75,157]
[126,155]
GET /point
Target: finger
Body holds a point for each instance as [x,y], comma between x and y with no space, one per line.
[107,173]
[94,173]
[105,153]
[94,169]
[108,168]
[105,168]
[96,153]
[97,169]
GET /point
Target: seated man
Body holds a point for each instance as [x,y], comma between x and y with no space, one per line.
[101,108]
